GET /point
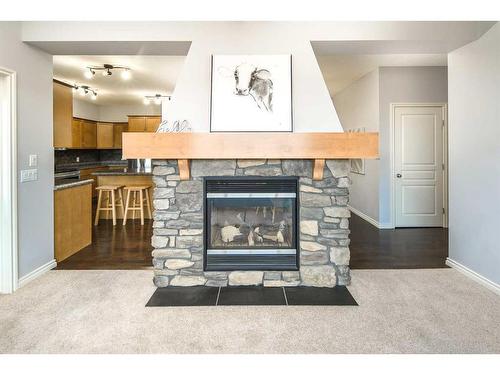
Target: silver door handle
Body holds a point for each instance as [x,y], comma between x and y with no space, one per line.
[399,175]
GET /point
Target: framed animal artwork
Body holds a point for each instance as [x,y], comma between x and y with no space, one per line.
[251,93]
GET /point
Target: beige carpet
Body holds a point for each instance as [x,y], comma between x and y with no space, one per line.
[401,311]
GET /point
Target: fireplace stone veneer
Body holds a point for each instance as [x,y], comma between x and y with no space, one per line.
[179,224]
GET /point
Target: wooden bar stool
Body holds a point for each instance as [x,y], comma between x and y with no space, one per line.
[112,201]
[140,195]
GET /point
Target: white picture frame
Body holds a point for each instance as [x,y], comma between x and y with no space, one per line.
[251,93]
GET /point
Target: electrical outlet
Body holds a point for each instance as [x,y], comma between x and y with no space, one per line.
[33,160]
[29,175]
[77,159]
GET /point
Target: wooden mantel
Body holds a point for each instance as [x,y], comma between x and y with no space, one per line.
[188,146]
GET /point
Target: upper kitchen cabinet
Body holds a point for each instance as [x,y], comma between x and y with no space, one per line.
[63,115]
[105,135]
[89,134]
[143,123]
[136,123]
[152,123]
[118,129]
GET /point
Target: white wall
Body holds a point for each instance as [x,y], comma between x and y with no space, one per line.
[313,109]
[34,123]
[474,155]
[112,113]
[119,113]
[403,85]
[358,106]
[84,109]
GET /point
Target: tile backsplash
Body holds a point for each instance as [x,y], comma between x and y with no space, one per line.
[85,156]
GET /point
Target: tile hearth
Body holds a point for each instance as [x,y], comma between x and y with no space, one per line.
[251,296]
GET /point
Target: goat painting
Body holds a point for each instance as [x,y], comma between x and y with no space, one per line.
[251,93]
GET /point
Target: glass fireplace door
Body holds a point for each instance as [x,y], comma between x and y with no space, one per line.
[251,224]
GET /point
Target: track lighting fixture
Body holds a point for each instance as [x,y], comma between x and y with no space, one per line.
[158,98]
[84,90]
[107,70]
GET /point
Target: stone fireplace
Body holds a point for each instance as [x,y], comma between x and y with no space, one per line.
[190,225]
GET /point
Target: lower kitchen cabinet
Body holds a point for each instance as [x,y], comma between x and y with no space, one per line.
[72,220]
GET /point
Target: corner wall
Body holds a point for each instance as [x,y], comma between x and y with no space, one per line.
[34,136]
[474,155]
[358,106]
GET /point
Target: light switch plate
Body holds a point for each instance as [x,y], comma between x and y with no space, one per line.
[29,175]
[33,161]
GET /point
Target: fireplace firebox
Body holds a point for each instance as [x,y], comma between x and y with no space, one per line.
[250,223]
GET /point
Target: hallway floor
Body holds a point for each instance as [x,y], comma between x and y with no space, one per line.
[373,248]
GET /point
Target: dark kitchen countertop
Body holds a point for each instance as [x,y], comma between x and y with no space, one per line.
[124,172]
[90,164]
[69,183]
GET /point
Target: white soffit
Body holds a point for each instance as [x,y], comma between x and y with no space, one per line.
[150,75]
[339,71]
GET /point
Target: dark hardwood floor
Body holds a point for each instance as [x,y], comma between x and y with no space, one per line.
[373,248]
[114,248]
[129,247]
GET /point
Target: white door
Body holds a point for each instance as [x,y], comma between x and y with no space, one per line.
[418,165]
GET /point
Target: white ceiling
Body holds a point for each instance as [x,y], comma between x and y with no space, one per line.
[150,75]
[339,71]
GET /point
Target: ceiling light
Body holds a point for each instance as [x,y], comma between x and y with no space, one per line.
[157,99]
[126,74]
[84,90]
[107,70]
[89,73]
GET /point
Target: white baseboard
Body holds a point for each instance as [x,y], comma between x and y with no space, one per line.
[37,273]
[474,275]
[369,219]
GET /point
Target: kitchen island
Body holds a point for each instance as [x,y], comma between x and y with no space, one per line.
[125,177]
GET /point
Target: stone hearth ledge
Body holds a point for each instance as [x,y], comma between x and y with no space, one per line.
[178,224]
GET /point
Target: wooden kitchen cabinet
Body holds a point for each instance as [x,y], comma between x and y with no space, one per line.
[63,115]
[89,134]
[118,129]
[152,123]
[76,133]
[72,220]
[105,135]
[137,124]
[147,124]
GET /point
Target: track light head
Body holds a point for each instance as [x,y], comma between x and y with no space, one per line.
[89,73]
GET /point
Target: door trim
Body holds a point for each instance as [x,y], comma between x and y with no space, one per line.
[392,140]
[8,188]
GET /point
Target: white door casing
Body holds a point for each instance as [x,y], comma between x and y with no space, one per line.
[8,183]
[419,165]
